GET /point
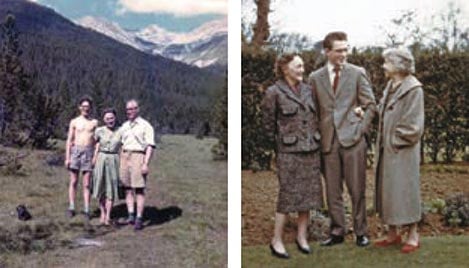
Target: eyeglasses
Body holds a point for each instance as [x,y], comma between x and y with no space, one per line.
[131,108]
[340,50]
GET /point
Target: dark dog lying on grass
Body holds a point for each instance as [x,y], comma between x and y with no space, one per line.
[23,213]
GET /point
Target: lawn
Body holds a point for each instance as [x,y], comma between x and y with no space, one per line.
[445,251]
[259,195]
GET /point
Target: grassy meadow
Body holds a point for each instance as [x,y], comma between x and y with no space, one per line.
[185,214]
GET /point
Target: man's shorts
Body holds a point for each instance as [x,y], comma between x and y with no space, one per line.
[81,158]
[130,171]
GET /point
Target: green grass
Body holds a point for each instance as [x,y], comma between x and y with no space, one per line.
[182,174]
[446,251]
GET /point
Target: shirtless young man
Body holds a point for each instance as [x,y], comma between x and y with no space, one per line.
[79,154]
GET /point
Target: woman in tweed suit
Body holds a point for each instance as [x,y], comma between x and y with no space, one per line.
[291,123]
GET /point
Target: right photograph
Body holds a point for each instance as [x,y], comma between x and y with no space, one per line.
[355,133]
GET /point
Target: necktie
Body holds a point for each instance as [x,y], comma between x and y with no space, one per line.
[336,78]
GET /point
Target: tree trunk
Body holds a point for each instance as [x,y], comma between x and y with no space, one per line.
[261,28]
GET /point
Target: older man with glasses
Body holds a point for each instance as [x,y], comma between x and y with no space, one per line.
[137,137]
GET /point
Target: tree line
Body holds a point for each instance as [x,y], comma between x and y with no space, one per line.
[44,71]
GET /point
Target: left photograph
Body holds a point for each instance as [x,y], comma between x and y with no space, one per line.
[113,133]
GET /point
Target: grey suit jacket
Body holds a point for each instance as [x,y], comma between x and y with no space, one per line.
[336,111]
[291,120]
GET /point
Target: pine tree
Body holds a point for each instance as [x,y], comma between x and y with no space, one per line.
[28,116]
[221,124]
[14,86]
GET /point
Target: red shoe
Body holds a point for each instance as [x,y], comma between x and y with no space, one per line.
[386,243]
[408,248]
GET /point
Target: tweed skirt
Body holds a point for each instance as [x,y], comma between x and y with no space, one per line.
[300,186]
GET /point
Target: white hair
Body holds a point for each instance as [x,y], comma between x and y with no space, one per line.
[134,101]
[401,59]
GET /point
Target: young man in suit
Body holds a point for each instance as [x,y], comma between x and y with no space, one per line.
[346,109]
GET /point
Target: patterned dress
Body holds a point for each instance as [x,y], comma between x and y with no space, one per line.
[106,170]
[300,182]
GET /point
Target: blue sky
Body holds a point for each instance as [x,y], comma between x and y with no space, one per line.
[173,15]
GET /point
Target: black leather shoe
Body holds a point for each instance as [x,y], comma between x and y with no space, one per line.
[332,240]
[278,254]
[362,241]
[303,249]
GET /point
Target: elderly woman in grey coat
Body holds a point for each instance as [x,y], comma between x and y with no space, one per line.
[291,123]
[401,123]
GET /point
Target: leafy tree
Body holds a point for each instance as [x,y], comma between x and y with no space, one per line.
[447,34]
[284,42]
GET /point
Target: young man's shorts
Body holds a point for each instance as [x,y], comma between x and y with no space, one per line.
[81,158]
[130,171]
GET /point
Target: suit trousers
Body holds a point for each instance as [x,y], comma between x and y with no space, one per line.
[349,164]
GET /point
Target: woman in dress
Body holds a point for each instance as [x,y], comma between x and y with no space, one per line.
[106,165]
[401,123]
[291,123]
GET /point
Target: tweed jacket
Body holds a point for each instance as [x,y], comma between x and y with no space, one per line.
[336,111]
[290,119]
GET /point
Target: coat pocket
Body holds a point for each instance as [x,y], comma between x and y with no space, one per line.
[289,110]
[289,140]
[353,118]
[317,136]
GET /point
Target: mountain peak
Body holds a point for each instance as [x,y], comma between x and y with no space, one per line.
[109,28]
[203,46]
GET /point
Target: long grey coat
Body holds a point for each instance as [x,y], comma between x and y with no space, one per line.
[397,198]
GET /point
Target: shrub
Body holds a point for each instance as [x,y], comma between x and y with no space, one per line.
[456,211]
[443,75]
[465,157]
[219,152]
[435,206]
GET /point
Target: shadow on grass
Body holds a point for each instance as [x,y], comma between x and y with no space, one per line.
[151,215]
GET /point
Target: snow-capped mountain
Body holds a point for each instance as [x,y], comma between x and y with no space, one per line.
[205,46]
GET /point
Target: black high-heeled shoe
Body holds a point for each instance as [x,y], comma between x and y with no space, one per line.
[278,254]
[302,249]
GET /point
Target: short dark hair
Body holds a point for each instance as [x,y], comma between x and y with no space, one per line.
[109,110]
[281,62]
[331,37]
[85,98]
